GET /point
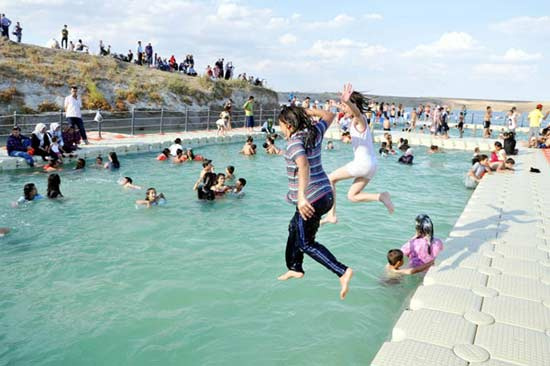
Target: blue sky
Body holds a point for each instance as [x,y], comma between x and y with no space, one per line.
[475,49]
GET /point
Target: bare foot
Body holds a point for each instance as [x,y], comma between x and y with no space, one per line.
[344,282]
[290,274]
[384,197]
[329,219]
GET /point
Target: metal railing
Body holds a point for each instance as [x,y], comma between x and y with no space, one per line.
[138,121]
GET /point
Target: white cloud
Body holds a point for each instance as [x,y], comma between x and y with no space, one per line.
[374,16]
[345,47]
[287,39]
[338,21]
[373,51]
[506,71]
[448,44]
[518,55]
[523,24]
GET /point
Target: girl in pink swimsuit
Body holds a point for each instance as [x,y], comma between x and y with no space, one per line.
[423,247]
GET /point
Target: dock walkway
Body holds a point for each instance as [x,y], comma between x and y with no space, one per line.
[487,301]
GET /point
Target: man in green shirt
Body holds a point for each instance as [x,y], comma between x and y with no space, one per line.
[249,114]
[64,36]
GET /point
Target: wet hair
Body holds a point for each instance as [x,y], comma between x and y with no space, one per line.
[147,192]
[297,118]
[394,256]
[249,138]
[190,154]
[99,158]
[270,140]
[510,161]
[27,189]
[384,144]
[177,141]
[243,181]
[425,229]
[483,157]
[206,163]
[129,180]
[80,164]
[179,151]
[230,169]
[498,144]
[265,145]
[254,147]
[54,181]
[434,147]
[114,160]
[204,192]
[219,176]
[166,152]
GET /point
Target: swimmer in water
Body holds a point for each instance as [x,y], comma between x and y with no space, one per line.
[220,188]
[30,194]
[229,173]
[127,182]
[164,155]
[364,165]
[152,199]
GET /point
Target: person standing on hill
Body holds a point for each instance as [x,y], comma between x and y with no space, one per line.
[249,113]
[18,32]
[149,54]
[5,23]
[64,36]
[73,103]
[139,54]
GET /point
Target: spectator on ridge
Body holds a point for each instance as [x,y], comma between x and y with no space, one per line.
[18,32]
[64,36]
[149,54]
[139,54]
[5,23]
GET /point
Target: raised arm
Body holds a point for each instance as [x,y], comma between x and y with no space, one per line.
[326,116]
[357,115]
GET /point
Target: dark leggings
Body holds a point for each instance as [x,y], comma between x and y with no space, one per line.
[301,239]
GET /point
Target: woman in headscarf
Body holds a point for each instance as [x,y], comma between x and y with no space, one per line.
[55,130]
[40,141]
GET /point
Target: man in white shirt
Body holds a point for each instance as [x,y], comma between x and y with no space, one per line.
[73,103]
[175,147]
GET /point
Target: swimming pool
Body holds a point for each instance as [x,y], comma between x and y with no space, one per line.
[93,280]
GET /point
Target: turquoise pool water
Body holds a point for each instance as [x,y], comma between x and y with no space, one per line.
[91,280]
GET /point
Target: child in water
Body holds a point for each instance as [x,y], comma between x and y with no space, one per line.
[54,181]
[229,173]
[423,248]
[80,164]
[99,162]
[309,190]
[152,199]
[127,182]
[30,193]
[220,188]
[113,162]
[164,155]
[237,191]
[364,165]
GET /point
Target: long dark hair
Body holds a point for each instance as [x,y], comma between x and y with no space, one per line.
[425,229]
[114,160]
[297,118]
[54,181]
[360,101]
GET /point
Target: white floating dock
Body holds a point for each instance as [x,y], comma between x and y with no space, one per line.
[487,302]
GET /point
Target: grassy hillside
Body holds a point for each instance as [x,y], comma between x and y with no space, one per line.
[34,78]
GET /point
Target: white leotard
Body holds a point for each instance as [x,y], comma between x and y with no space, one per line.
[364,162]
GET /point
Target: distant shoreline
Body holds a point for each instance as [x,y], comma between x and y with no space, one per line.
[470,103]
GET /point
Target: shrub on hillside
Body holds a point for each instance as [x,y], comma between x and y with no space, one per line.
[178,86]
[47,106]
[8,94]
[94,99]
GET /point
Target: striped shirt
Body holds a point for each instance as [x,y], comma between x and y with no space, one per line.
[319,184]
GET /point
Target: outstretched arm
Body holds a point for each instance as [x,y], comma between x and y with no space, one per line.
[326,116]
[357,115]
[413,270]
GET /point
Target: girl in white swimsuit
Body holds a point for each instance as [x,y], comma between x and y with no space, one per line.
[363,167]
